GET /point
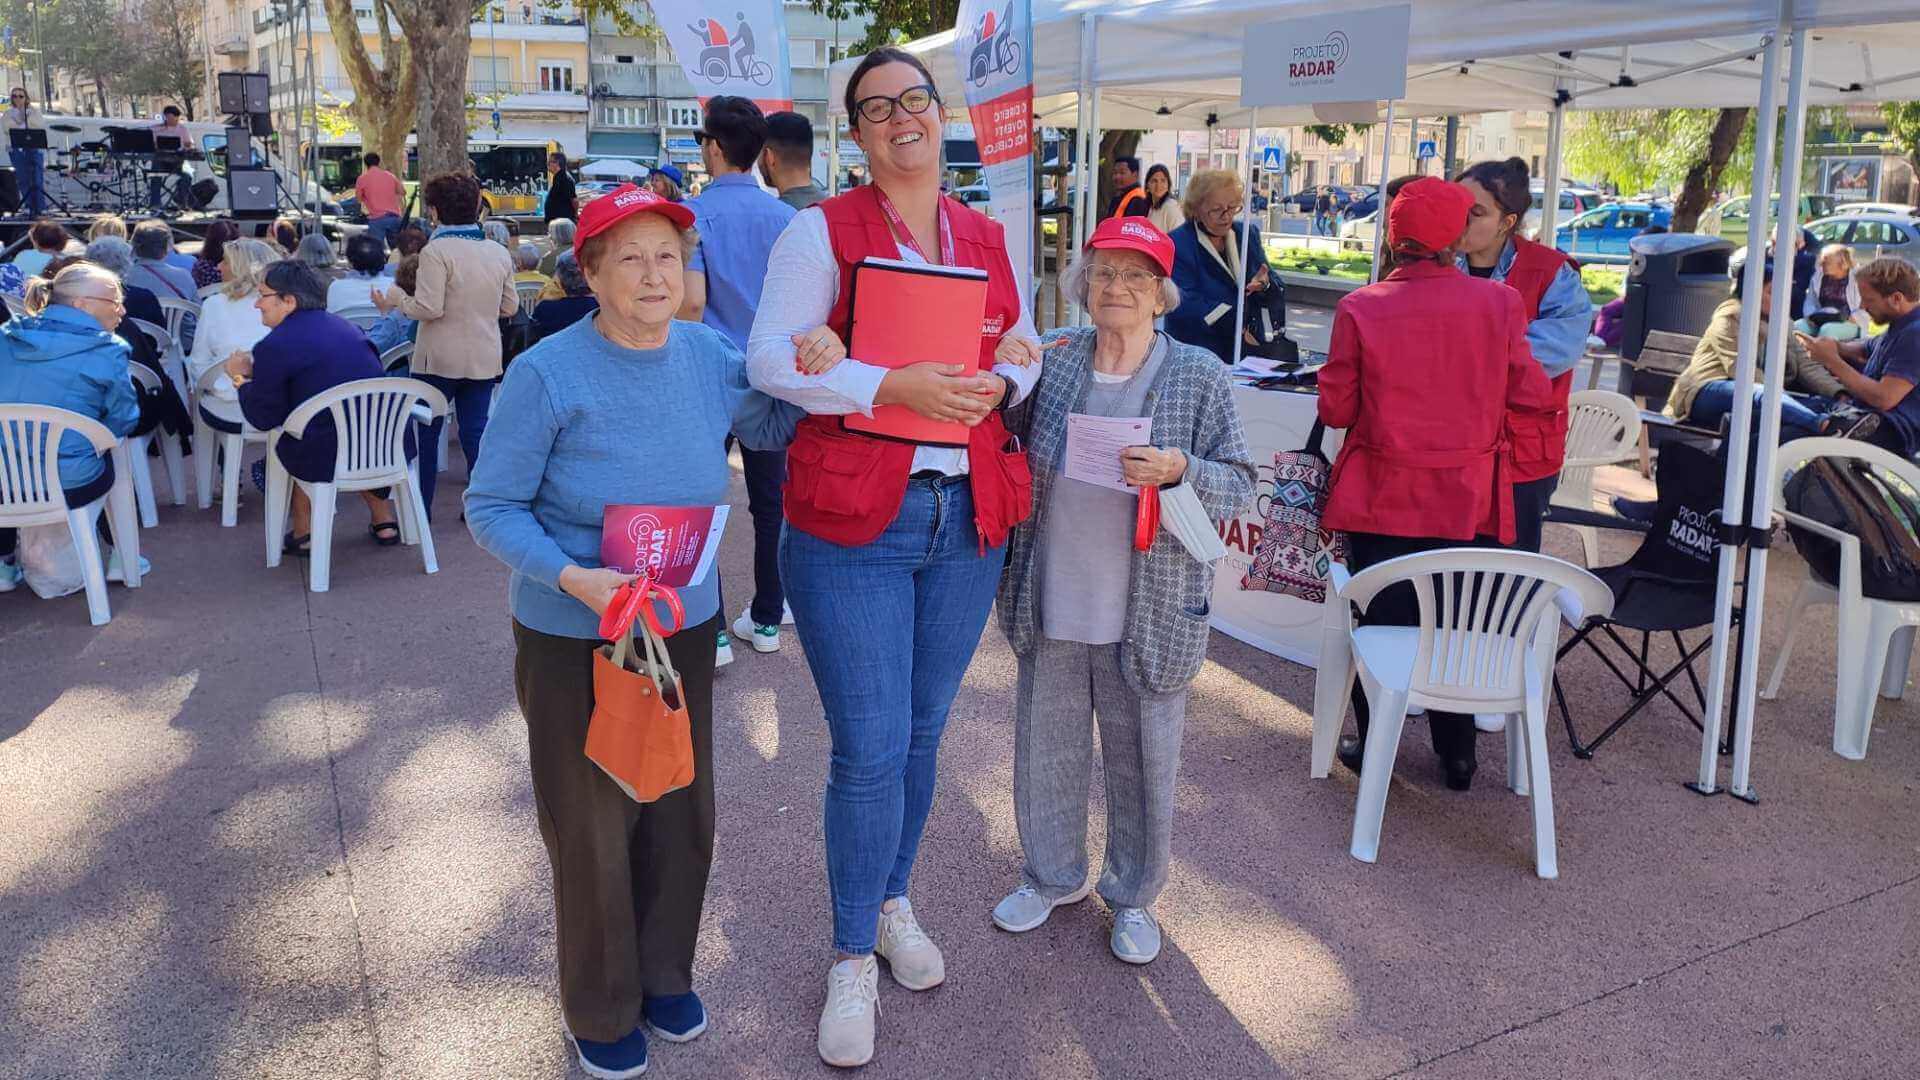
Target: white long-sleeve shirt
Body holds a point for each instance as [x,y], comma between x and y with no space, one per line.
[226,324]
[803,283]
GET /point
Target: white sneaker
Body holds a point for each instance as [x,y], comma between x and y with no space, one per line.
[723,651]
[115,572]
[1490,721]
[847,1021]
[786,615]
[1025,908]
[913,958]
[1136,935]
[764,639]
[10,575]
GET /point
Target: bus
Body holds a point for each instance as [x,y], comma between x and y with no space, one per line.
[512,172]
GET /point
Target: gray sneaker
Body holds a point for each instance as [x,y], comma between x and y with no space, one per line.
[1136,935]
[1026,908]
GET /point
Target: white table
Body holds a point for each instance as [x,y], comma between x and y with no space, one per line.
[1283,625]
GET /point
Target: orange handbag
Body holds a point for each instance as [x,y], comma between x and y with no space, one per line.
[640,734]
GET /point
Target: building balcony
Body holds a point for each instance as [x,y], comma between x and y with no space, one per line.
[623,80]
[230,38]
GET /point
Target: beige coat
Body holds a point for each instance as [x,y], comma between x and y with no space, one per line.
[465,288]
[1719,348]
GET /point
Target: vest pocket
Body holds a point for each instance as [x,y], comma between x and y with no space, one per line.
[837,477]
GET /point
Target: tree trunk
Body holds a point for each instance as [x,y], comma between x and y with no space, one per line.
[1113,144]
[439,33]
[1703,177]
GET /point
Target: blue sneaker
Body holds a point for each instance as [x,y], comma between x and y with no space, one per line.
[680,1018]
[615,1060]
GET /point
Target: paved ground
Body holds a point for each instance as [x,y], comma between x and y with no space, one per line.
[253,832]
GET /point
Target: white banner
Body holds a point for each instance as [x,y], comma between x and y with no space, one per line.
[1354,56]
[738,48]
[993,44]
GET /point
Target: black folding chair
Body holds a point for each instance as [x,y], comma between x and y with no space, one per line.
[1666,588]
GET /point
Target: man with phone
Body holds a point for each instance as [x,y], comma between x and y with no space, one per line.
[1890,295]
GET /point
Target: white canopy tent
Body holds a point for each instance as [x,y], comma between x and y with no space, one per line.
[1176,64]
[613,169]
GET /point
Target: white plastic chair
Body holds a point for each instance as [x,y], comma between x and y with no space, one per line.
[1602,428]
[529,292]
[142,470]
[396,357]
[177,311]
[173,360]
[363,317]
[208,290]
[370,419]
[1485,644]
[30,492]
[233,446]
[1875,638]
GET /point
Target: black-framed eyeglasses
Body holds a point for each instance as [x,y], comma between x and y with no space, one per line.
[878,109]
[701,137]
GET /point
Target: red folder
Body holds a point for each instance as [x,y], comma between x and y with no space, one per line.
[909,313]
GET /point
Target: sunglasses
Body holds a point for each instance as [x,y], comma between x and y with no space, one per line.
[701,137]
[878,109]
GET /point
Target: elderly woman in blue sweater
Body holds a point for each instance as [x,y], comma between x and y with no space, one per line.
[626,406]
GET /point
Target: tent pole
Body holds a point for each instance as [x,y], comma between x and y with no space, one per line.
[1768,440]
[1084,120]
[1550,198]
[1380,203]
[833,154]
[1733,497]
[1246,241]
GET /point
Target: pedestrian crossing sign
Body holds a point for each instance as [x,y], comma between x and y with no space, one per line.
[1272,161]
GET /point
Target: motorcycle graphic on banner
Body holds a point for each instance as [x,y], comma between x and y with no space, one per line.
[734,47]
[993,45]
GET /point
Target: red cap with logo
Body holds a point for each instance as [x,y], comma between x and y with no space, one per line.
[1135,234]
[622,203]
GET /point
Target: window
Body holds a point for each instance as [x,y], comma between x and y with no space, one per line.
[623,115]
[623,58]
[1878,232]
[1592,219]
[556,76]
[1633,219]
[803,52]
[683,116]
[486,72]
[1829,232]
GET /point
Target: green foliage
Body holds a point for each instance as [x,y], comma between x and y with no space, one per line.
[892,21]
[1336,134]
[1903,127]
[1636,149]
[1604,283]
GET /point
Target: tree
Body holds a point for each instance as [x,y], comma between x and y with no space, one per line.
[1903,128]
[85,37]
[1636,149]
[170,64]
[385,95]
[1703,174]
[891,21]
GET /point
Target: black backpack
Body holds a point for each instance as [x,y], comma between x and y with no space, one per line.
[1857,499]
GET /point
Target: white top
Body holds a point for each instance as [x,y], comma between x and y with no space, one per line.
[355,291]
[1168,216]
[30,118]
[226,324]
[803,282]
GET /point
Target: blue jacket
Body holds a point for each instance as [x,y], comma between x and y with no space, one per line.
[1204,286]
[62,357]
[309,353]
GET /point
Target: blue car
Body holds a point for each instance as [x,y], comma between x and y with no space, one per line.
[1605,230]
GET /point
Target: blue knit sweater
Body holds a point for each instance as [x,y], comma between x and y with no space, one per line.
[582,423]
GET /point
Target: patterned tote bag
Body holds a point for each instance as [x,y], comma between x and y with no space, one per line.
[1294,552]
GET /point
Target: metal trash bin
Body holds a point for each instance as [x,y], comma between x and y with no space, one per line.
[1673,283]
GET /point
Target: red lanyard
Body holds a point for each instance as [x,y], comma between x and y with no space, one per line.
[905,235]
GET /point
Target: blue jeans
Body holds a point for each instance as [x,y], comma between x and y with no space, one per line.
[384,227]
[29,170]
[1800,414]
[469,399]
[889,628]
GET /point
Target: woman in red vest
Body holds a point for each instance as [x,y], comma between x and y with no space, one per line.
[893,550]
[1559,317]
[1427,370]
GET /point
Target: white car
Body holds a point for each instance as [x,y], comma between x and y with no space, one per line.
[1877,208]
[1360,229]
[972,194]
[1573,200]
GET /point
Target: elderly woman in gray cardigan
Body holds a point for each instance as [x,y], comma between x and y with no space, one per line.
[1104,632]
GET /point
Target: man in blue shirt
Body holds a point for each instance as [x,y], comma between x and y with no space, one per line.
[738,223]
[1890,294]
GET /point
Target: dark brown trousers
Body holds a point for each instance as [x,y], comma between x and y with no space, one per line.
[629,879]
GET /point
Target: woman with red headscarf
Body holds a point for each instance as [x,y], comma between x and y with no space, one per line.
[1426,370]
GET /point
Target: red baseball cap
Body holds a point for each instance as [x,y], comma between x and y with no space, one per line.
[622,203]
[1428,215]
[1135,234]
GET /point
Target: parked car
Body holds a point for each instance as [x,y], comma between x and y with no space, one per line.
[1573,202]
[1729,218]
[1361,229]
[972,194]
[1877,208]
[1871,234]
[1605,230]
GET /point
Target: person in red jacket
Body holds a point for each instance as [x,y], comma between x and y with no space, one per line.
[1426,371]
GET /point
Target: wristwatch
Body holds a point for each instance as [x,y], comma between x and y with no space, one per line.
[1006,397]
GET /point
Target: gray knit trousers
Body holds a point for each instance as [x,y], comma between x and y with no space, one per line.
[1062,689]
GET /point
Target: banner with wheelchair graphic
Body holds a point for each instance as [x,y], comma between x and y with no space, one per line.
[993,42]
[733,47]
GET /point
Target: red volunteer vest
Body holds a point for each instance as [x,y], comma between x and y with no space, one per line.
[1540,438]
[845,487]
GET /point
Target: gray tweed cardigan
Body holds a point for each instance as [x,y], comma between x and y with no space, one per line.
[1191,402]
